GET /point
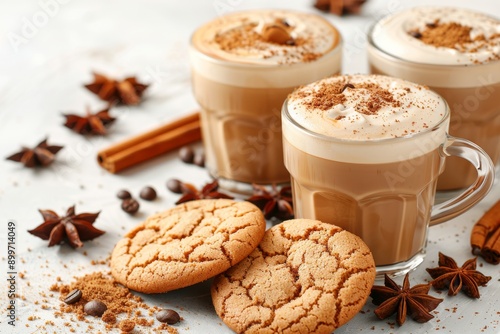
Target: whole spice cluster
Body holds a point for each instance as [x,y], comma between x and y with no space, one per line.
[127,91]
[415,301]
[72,228]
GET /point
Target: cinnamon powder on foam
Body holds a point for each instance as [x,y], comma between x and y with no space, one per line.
[455,36]
[119,300]
[246,37]
[329,95]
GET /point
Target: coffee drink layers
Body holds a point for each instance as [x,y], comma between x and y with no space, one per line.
[456,52]
[363,153]
[243,67]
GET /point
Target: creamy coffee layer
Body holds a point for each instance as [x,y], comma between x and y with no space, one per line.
[439,35]
[354,109]
[267,37]
[266,48]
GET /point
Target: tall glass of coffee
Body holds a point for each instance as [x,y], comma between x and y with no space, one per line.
[243,66]
[365,152]
[456,52]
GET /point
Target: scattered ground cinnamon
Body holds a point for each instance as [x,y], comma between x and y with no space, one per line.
[123,307]
[369,97]
[457,36]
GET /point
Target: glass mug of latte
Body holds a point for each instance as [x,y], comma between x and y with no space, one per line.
[243,66]
[456,52]
[365,152]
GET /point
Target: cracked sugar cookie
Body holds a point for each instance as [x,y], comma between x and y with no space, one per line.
[305,277]
[187,244]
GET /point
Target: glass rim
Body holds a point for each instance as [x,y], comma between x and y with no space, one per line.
[323,137]
[218,61]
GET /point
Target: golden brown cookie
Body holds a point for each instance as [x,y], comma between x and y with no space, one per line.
[187,244]
[305,277]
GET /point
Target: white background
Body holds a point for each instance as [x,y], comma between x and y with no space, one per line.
[48,50]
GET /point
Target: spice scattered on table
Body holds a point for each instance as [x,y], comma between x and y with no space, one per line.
[414,302]
[124,310]
[150,144]
[128,91]
[485,236]
[41,155]
[73,228]
[449,275]
[209,191]
[273,202]
[91,123]
[126,325]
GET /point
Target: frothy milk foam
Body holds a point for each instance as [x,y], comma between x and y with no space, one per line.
[364,153]
[360,135]
[262,64]
[456,52]
[391,35]
[243,67]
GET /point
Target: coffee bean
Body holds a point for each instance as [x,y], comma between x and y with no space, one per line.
[148,193]
[174,186]
[186,154]
[199,159]
[95,308]
[73,297]
[123,194]
[169,316]
[130,206]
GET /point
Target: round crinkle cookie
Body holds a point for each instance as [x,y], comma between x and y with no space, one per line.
[305,277]
[187,244]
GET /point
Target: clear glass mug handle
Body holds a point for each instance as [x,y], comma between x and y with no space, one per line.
[474,193]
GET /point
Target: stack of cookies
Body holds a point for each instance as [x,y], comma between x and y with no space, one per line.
[300,276]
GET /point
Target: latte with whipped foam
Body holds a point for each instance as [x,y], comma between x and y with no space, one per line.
[363,152]
[456,52]
[243,67]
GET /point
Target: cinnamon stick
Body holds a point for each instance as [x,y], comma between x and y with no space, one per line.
[150,144]
[485,236]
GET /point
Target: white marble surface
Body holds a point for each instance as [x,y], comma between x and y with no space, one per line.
[48,49]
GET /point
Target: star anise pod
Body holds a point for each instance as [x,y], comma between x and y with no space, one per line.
[41,155]
[127,91]
[90,123]
[209,191]
[340,7]
[274,202]
[449,275]
[72,228]
[414,302]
